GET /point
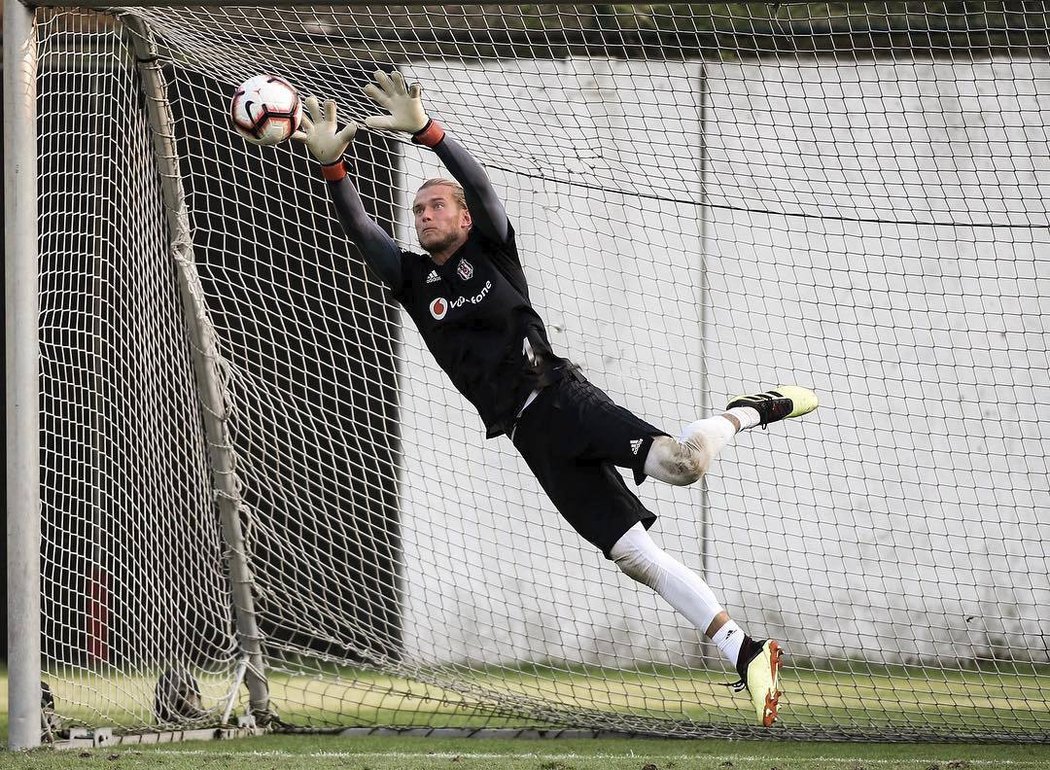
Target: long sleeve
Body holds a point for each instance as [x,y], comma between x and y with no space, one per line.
[381,253]
[486,209]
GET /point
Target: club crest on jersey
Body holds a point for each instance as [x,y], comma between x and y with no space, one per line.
[465,270]
[438,308]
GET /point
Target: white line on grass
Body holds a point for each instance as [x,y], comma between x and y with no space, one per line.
[574,755]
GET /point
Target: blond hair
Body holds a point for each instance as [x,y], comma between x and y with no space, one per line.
[458,195]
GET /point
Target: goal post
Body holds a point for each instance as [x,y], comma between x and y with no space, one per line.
[249,491]
[22,370]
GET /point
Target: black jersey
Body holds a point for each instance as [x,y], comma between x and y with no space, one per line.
[476,318]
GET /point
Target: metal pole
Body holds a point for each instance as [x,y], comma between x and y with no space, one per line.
[207,365]
[704,299]
[23,369]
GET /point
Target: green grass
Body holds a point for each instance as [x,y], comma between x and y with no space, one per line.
[816,696]
[865,700]
[317,753]
[886,698]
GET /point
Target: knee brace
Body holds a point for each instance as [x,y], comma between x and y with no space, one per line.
[676,462]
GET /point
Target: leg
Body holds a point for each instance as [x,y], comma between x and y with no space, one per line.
[683,461]
[560,445]
[758,663]
[643,560]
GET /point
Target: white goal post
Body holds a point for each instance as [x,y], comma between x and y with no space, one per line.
[22,373]
[242,494]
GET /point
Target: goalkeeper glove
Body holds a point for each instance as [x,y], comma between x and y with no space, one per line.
[405,105]
[320,132]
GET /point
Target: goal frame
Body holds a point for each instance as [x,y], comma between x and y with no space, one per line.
[23,365]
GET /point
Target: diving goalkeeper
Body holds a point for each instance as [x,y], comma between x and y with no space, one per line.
[468,297]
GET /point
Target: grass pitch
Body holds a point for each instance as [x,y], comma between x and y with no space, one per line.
[372,753]
[829,704]
[313,752]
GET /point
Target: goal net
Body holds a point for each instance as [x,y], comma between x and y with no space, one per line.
[709,199]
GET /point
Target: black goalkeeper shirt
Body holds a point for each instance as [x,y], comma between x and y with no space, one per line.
[475,316]
[473,311]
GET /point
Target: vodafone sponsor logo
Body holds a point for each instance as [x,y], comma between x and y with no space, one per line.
[440,306]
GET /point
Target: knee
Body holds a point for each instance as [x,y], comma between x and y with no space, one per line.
[638,566]
[637,556]
[676,462]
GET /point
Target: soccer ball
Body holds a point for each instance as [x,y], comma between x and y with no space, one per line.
[266,110]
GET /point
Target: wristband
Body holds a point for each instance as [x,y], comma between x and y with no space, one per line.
[429,135]
[333,172]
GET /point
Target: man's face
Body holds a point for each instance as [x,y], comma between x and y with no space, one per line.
[441,223]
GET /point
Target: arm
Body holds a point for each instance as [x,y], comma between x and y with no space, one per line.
[380,251]
[405,104]
[486,209]
[319,133]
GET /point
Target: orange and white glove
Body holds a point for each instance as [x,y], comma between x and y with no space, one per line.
[404,103]
[320,132]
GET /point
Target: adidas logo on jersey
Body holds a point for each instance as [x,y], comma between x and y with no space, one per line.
[636,445]
[433,277]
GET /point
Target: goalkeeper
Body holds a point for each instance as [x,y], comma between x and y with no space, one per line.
[468,296]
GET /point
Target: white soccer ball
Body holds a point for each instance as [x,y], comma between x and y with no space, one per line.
[266,110]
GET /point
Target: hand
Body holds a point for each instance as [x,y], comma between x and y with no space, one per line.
[404,103]
[319,131]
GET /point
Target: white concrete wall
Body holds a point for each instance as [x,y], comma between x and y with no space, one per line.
[864,231]
[910,517]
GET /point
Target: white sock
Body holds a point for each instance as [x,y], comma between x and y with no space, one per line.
[728,639]
[638,556]
[748,417]
[710,434]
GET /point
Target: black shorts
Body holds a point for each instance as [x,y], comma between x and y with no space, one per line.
[571,436]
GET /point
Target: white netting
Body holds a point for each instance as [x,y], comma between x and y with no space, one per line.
[709,200]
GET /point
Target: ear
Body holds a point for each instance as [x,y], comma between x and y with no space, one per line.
[466,221]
